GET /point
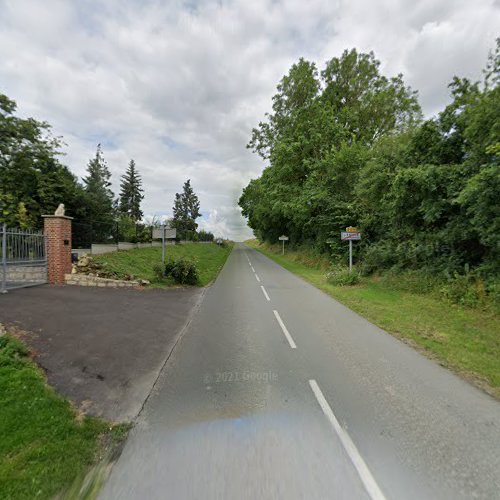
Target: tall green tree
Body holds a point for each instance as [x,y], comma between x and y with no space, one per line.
[131,193]
[355,152]
[100,210]
[32,179]
[316,139]
[186,210]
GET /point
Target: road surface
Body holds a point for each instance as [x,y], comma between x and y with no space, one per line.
[275,390]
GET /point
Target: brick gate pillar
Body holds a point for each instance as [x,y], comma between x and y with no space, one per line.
[57,229]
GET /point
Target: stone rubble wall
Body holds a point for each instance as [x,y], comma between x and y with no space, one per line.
[27,274]
[88,280]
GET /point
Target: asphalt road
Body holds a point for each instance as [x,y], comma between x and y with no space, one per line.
[277,391]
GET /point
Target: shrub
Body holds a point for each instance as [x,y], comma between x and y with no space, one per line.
[158,271]
[377,256]
[205,236]
[341,276]
[12,352]
[466,289]
[411,280]
[221,242]
[183,271]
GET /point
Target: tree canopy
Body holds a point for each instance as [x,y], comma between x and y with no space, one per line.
[32,179]
[34,182]
[348,146]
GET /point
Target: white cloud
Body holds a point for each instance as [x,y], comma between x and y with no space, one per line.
[178,86]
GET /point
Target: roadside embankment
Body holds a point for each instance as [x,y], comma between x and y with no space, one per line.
[461,338]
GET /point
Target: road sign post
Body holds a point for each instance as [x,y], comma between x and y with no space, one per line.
[164,233]
[350,234]
[163,249]
[283,239]
[350,255]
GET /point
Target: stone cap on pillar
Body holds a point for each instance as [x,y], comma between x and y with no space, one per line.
[57,217]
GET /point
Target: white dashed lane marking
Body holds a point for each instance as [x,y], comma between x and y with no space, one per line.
[371,486]
[285,331]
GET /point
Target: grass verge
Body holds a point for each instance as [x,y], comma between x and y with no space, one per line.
[45,446]
[463,339]
[139,262]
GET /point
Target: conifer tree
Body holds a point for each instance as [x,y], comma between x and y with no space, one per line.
[186,209]
[131,193]
[99,197]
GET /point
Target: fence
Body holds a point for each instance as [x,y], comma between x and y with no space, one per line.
[87,233]
[23,258]
[98,248]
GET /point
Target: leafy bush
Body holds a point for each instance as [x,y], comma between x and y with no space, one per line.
[341,276]
[205,236]
[221,242]
[158,271]
[11,351]
[183,271]
[411,280]
[134,232]
[466,289]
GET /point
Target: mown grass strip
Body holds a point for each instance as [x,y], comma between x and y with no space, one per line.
[209,257]
[463,339]
[44,446]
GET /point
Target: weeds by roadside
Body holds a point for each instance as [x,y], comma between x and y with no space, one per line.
[341,276]
[413,306]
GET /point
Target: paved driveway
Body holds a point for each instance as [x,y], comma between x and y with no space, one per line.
[101,348]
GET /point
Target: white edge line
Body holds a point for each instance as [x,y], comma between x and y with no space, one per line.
[257,277]
[285,331]
[365,475]
[264,292]
[252,268]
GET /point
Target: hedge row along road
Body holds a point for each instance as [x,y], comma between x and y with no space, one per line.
[276,390]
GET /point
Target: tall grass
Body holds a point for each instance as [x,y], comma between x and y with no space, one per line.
[412,306]
[45,445]
[142,262]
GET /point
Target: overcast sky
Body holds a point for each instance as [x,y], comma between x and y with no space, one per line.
[178,85]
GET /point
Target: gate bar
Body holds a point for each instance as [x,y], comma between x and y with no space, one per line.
[4,259]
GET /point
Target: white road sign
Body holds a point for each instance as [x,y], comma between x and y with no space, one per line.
[170,233]
[283,238]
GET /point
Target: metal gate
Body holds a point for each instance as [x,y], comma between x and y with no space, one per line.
[23,258]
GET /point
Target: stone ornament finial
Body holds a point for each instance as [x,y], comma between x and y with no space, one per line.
[60,210]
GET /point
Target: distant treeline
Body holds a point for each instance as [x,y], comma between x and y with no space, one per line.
[33,182]
[348,147]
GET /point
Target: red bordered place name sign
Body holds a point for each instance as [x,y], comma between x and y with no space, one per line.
[344,236]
